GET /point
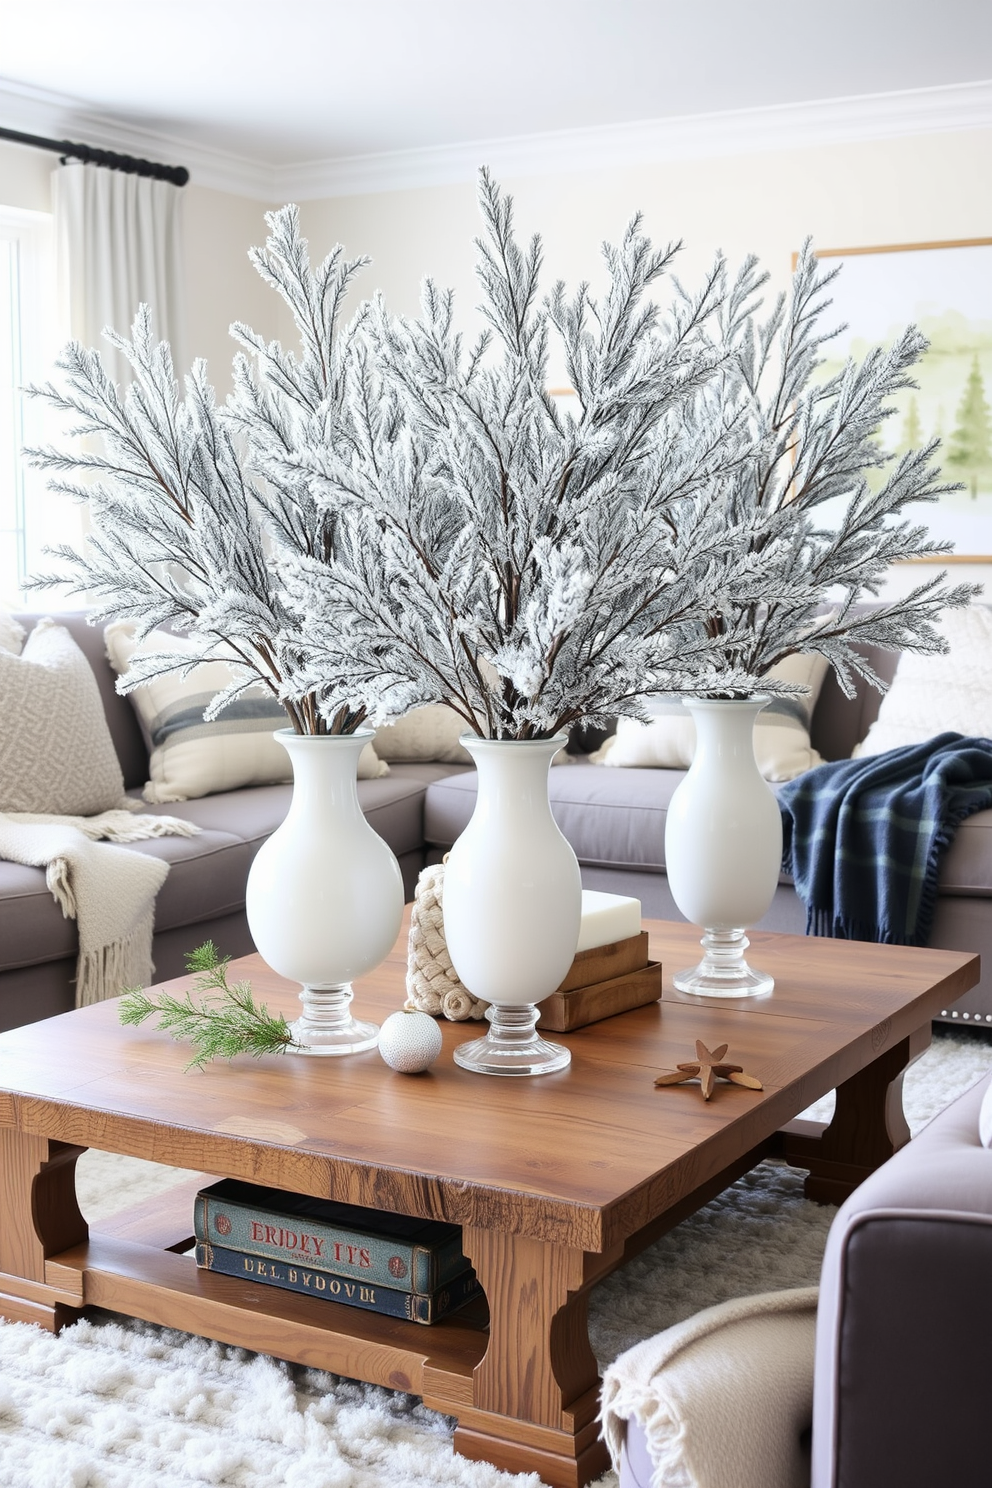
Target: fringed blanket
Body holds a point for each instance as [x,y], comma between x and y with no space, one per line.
[109,891]
[725,1399]
[864,838]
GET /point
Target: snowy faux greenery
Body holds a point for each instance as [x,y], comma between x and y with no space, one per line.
[823,533]
[674,536]
[183,529]
[528,567]
[388,518]
[220,1022]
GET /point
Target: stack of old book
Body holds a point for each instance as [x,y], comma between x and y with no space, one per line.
[408,1268]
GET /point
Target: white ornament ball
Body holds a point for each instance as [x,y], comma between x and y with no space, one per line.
[409,1041]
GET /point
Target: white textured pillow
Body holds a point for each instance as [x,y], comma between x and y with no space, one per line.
[189,757]
[781,731]
[430,733]
[985,1119]
[935,694]
[56,753]
[11,634]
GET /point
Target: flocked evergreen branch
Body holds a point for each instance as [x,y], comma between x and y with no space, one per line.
[184,512]
[530,567]
[218,1026]
[387,517]
[803,501]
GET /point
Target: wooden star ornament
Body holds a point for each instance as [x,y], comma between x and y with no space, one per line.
[708,1067]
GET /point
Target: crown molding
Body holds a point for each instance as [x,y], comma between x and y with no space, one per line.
[689,137]
[733,132]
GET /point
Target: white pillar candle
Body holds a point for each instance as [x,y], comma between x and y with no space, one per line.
[607,918]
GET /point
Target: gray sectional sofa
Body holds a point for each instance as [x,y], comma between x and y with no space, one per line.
[614,818]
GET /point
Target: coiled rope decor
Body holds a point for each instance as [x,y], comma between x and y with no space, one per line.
[432,984]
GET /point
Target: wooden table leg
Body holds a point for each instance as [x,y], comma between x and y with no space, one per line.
[40,1218]
[867,1127]
[535,1394]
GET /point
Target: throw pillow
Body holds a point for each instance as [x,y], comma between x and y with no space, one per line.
[936,694]
[985,1119]
[429,733]
[781,733]
[189,757]
[56,753]
[11,634]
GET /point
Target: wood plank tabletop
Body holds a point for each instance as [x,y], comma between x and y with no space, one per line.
[577,1157]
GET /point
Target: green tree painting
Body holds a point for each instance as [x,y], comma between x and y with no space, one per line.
[969,449]
[912,429]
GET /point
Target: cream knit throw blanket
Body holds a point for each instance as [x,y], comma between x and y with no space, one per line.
[723,1398]
[108,891]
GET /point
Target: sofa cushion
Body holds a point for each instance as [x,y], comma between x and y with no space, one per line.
[207,873]
[616,819]
[611,817]
[124,730]
[12,634]
[56,753]
[430,733]
[189,757]
[934,694]
[781,731]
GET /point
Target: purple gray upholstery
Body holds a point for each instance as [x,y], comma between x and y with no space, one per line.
[905,1317]
[903,1322]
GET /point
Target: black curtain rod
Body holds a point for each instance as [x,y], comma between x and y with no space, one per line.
[178,175]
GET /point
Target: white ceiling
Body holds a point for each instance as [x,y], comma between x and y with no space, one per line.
[277,84]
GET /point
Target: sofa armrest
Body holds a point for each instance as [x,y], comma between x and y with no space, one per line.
[905,1316]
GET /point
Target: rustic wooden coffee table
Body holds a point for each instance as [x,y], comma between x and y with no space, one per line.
[556,1180]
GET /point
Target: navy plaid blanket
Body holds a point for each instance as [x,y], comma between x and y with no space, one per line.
[864,838]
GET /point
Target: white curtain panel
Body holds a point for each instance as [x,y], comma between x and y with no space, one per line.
[118,245]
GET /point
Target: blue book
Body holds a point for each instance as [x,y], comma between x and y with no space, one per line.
[418,1307]
[365,1245]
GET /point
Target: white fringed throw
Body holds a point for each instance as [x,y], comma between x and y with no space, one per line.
[723,1398]
[108,891]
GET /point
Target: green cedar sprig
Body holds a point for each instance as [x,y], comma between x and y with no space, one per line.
[218,1027]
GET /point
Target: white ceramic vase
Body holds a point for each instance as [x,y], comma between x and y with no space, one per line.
[512,902]
[723,847]
[325,893]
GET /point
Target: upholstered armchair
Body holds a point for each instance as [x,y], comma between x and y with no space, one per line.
[898,1390]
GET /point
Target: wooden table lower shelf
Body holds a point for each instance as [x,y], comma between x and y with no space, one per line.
[555,1181]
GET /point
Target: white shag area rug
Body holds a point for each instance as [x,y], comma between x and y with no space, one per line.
[113,1403]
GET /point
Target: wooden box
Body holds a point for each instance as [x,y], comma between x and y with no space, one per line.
[601,982]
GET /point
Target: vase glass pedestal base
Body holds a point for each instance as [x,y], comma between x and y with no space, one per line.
[723,971]
[512,1046]
[326,1025]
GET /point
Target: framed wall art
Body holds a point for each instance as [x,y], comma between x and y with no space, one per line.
[946,290]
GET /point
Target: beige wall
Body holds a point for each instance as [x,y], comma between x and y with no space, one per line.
[885,191]
[221,284]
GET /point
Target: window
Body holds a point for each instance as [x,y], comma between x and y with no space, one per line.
[29,516]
